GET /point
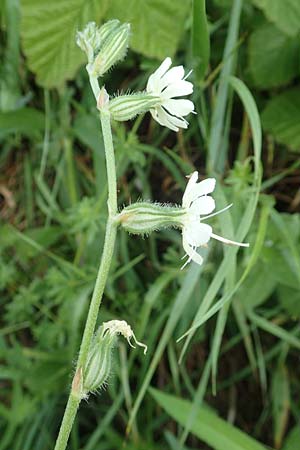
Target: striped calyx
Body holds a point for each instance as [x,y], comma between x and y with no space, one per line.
[104,46]
[99,362]
[145,217]
[126,107]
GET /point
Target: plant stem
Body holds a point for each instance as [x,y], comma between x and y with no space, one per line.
[67,422]
[109,242]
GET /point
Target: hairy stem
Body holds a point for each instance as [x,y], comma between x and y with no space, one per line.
[109,242]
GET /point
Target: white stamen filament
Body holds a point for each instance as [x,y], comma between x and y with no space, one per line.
[228,241]
[217,212]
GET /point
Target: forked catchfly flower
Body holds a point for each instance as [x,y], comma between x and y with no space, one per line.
[199,206]
[168,84]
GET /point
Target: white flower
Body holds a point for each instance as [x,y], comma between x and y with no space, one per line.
[198,203]
[168,83]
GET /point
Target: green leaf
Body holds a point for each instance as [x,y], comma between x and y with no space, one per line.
[273,57]
[48,34]
[26,121]
[285,14]
[156,26]
[281,118]
[207,426]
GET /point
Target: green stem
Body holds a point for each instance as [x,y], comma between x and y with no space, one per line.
[67,422]
[109,242]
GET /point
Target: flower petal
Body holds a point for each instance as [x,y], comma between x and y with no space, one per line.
[162,117]
[179,107]
[178,89]
[191,252]
[153,84]
[166,120]
[197,233]
[173,75]
[187,196]
[203,205]
[204,187]
[162,69]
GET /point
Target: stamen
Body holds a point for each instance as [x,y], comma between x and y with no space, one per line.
[140,343]
[188,74]
[185,264]
[228,241]
[217,212]
[130,343]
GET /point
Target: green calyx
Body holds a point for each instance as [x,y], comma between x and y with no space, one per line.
[104,46]
[126,107]
[99,362]
[145,217]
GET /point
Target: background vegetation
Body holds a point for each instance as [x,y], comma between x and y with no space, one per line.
[237,384]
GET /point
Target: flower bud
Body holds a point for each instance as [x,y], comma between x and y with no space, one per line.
[144,217]
[89,40]
[112,50]
[99,362]
[103,46]
[107,28]
[126,107]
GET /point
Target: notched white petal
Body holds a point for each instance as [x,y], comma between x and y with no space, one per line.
[187,196]
[179,107]
[203,205]
[178,89]
[204,187]
[197,233]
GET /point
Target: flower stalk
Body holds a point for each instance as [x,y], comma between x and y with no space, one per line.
[77,393]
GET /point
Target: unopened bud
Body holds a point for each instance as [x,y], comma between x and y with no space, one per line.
[98,366]
[145,217]
[104,46]
[89,40]
[126,107]
[107,28]
[112,50]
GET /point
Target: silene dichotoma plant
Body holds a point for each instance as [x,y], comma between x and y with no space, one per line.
[104,46]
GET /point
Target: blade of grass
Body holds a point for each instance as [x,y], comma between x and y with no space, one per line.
[274,329]
[210,428]
[216,160]
[180,303]
[200,40]
[245,222]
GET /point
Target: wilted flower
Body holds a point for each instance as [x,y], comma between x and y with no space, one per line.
[197,203]
[99,362]
[168,84]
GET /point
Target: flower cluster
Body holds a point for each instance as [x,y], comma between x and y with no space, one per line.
[107,45]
